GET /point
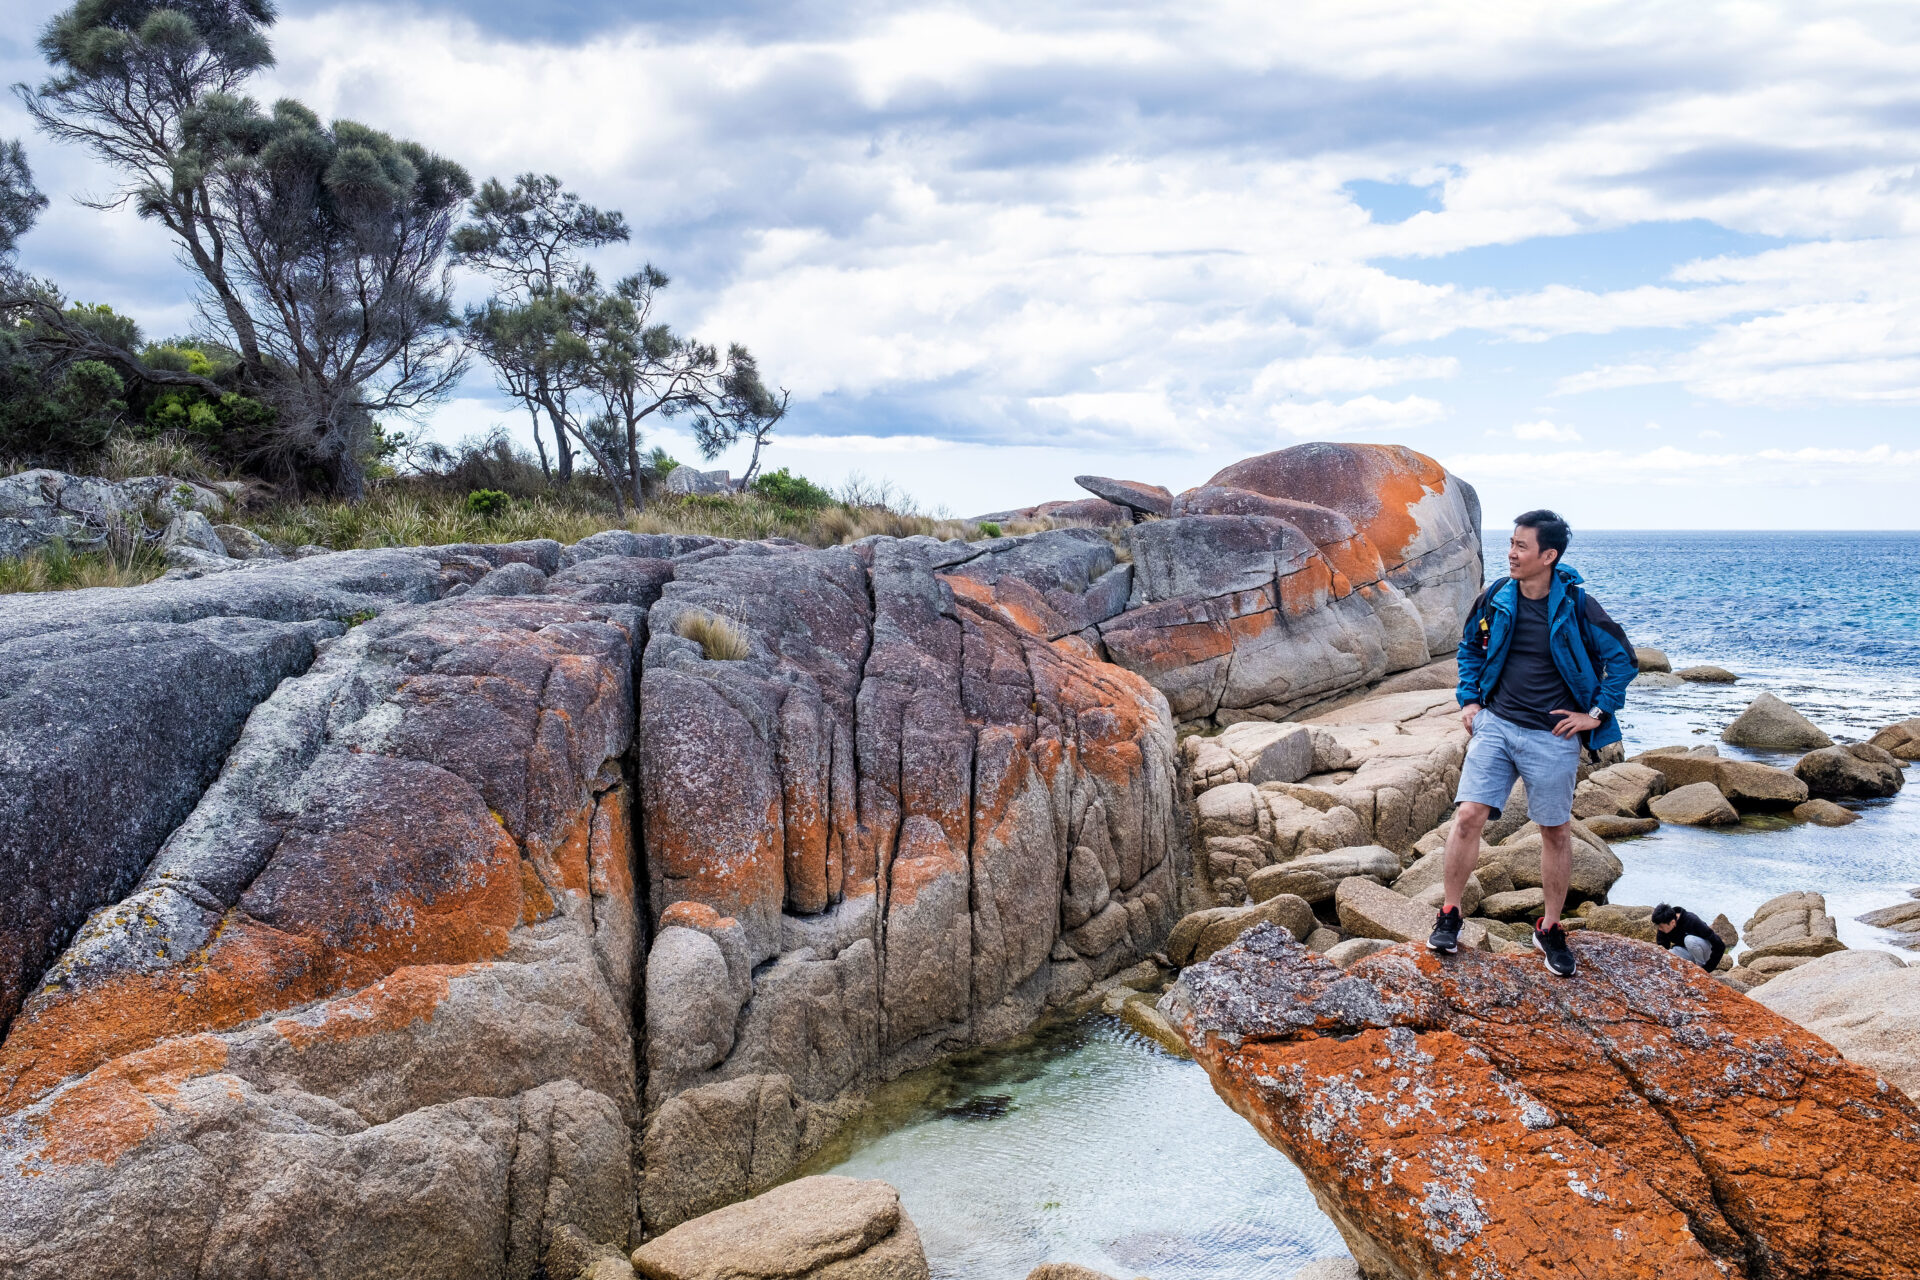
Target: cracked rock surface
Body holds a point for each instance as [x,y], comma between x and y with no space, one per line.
[1472,1116]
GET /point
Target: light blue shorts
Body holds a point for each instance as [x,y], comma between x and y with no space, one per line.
[1501,751]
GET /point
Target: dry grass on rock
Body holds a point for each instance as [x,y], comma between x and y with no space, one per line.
[721,639]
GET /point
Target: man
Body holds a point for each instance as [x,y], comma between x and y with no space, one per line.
[1543,670]
[1687,933]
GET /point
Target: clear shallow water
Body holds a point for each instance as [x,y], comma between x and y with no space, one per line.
[1087,1144]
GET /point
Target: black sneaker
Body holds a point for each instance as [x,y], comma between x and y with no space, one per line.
[1446,932]
[1552,943]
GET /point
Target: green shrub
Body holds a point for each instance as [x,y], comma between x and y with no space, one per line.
[487,503]
[789,490]
[989,529]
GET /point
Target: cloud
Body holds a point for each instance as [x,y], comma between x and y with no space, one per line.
[1357,417]
[863,444]
[1542,430]
[1135,227]
[1670,466]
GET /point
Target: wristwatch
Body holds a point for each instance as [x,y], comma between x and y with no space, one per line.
[1598,714]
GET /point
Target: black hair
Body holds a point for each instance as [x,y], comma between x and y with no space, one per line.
[1664,913]
[1553,532]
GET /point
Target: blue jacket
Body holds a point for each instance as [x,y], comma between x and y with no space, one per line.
[1605,688]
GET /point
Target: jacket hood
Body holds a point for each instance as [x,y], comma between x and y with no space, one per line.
[1567,573]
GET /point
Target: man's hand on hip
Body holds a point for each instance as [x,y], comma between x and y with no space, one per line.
[1467,713]
[1572,722]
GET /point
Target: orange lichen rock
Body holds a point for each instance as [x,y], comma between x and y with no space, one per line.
[334,851]
[1376,486]
[1297,576]
[1470,1115]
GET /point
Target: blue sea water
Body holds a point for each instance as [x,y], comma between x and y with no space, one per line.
[1088,1144]
[1830,622]
[1774,601]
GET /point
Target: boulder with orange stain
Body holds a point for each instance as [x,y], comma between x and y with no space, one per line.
[1296,576]
[1471,1115]
[877,805]
[376,989]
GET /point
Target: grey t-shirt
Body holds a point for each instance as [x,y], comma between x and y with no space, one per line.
[1530,688]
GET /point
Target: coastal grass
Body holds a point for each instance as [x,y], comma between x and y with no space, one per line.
[404,513]
[413,511]
[56,567]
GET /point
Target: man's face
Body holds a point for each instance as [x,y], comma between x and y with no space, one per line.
[1524,556]
[1667,926]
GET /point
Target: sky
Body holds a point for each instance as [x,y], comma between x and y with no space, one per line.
[1651,265]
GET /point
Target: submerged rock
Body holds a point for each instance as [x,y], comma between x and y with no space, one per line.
[1707,675]
[1471,1115]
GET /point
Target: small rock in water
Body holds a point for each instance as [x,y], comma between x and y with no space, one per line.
[1651,659]
[1900,914]
[1825,813]
[1858,771]
[1698,804]
[981,1106]
[1901,740]
[1706,675]
[1140,1014]
[1656,680]
[1609,827]
[824,1225]
[1770,724]
[1327,1269]
[1066,1271]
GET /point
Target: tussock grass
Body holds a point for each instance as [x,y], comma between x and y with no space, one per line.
[719,638]
[170,454]
[426,510]
[404,512]
[55,567]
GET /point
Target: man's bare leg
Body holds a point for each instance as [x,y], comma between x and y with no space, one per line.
[1556,869]
[1463,850]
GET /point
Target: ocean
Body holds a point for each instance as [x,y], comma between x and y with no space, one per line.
[1087,1143]
[1830,622]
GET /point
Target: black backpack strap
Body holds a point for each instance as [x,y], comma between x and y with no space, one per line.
[1481,601]
[1590,615]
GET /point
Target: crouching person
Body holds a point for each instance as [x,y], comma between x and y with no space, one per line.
[1681,930]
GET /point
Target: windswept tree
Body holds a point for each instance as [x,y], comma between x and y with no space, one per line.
[341,237]
[321,248]
[640,368]
[596,363]
[20,201]
[744,409]
[531,239]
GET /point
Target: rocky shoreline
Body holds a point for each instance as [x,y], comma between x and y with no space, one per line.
[510,909]
[520,888]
